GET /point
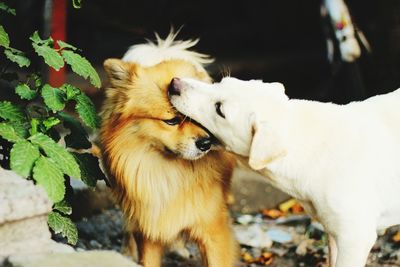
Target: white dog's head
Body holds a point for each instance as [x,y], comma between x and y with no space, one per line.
[243,115]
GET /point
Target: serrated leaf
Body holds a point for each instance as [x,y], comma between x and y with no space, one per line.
[78,137]
[20,127]
[64,226]
[17,56]
[47,174]
[7,131]
[50,122]
[82,67]
[11,112]
[70,90]
[37,79]
[4,39]
[35,123]
[86,110]
[25,92]
[62,157]
[64,45]
[90,168]
[76,3]
[63,207]
[54,98]
[51,57]
[37,40]
[22,157]
[7,9]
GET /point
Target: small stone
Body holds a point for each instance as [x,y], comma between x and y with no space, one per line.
[279,236]
[302,248]
[252,236]
[245,219]
[94,244]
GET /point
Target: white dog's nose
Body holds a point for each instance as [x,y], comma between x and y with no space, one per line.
[175,87]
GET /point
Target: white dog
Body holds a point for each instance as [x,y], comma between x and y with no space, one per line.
[341,162]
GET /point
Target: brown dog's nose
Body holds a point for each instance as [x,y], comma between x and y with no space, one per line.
[174,87]
[204,144]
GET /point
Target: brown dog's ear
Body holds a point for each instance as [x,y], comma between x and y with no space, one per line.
[266,145]
[119,71]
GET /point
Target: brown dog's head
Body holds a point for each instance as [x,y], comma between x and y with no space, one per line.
[137,108]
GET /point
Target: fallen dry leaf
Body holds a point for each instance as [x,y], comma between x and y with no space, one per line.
[396,237]
[246,257]
[272,213]
[267,258]
[297,208]
[287,205]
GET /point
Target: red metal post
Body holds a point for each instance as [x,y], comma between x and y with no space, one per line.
[58,32]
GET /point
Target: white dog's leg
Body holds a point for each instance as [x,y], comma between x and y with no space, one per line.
[354,246]
[332,251]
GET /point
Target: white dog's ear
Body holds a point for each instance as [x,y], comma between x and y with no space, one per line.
[266,145]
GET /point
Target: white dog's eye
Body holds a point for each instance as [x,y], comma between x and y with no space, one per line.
[218,109]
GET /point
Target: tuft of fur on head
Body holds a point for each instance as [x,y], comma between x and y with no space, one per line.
[153,53]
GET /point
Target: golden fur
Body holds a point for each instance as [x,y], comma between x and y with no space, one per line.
[163,196]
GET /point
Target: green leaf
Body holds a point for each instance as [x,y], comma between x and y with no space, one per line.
[90,168]
[7,9]
[17,56]
[4,39]
[86,110]
[78,138]
[34,126]
[54,98]
[47,174]
[22,157]
[63,207]
[50,122]
[37,80]
[7,131]
[11,112]
[64,45]
[35,38]
[25,92]
[70,90]
[64,226]
[76,3]
[51,57]
[20,128]
[62,157]
[82,67]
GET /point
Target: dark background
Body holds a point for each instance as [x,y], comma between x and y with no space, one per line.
[255,39]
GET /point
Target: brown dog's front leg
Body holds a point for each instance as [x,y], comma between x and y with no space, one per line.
[218,244]
[150,252]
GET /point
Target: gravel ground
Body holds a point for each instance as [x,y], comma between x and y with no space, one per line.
[291,240]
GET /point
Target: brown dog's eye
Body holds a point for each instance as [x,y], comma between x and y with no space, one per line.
[173,121]
[218,109]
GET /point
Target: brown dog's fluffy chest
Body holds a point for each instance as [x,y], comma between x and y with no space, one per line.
[163,196]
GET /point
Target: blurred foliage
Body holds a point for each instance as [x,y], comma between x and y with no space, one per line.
[31,127]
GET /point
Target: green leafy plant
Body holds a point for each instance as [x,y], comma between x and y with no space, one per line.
[32,126]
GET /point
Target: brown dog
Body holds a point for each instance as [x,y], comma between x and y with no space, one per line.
[163,174]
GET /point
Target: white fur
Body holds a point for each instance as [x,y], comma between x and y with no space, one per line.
[150,54]
[341,162]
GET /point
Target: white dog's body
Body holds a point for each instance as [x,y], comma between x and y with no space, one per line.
[341,162]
